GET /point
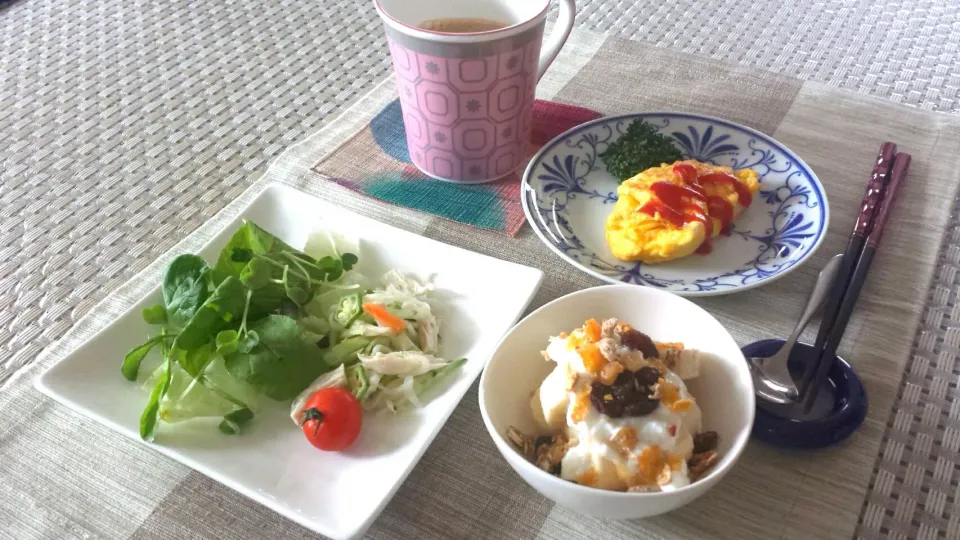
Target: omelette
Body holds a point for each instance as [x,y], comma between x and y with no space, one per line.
[668,212]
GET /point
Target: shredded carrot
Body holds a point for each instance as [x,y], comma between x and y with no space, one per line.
[384,318]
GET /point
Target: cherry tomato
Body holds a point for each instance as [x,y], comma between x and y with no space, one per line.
[332,419]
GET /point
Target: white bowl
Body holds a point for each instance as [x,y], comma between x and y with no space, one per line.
[723,390]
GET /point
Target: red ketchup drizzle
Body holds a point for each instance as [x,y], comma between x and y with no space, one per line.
[688,173]
[720,208]
[673,208]
[722,211]
[743,194]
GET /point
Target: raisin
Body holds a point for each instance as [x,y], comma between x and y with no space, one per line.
[638,341]
[627,396]
[597,391]
[613,409]
[647,376]
[603,400]
[704,442]
[626,392]
[641,407]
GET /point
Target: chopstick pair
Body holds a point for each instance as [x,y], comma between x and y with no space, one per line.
[888,173]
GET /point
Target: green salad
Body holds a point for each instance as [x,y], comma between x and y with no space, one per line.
[269,320]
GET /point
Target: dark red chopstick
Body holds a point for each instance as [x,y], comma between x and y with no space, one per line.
[898,174]
[858,238]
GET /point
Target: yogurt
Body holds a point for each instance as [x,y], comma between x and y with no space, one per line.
[617,453]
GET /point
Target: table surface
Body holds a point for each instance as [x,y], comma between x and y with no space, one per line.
[125,125]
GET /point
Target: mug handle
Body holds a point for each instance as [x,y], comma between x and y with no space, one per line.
[556,39]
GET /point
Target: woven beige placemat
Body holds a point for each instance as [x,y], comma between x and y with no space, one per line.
[98,485]
[462,488]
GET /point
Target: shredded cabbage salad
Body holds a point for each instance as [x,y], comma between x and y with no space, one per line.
[383,368]
[387,360]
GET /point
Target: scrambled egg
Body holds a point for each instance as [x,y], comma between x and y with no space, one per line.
[637,235]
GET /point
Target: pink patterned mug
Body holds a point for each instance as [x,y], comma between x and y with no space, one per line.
[467,98]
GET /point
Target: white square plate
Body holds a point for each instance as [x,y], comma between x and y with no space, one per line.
[478,299]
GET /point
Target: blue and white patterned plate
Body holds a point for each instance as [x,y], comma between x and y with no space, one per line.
[567,195]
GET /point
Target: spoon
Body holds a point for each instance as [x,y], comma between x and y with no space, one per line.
[771,377]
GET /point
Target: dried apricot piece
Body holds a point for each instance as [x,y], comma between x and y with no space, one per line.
[580,404]
[610,372]
[669,393]
[663,346]
[588,478]
[664,476]
[625,440]
[592,330]
[682,405]
[649,464]
[593,359]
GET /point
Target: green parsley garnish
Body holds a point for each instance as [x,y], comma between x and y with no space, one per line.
[640,148]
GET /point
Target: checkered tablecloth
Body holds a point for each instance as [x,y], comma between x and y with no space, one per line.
[126,125]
